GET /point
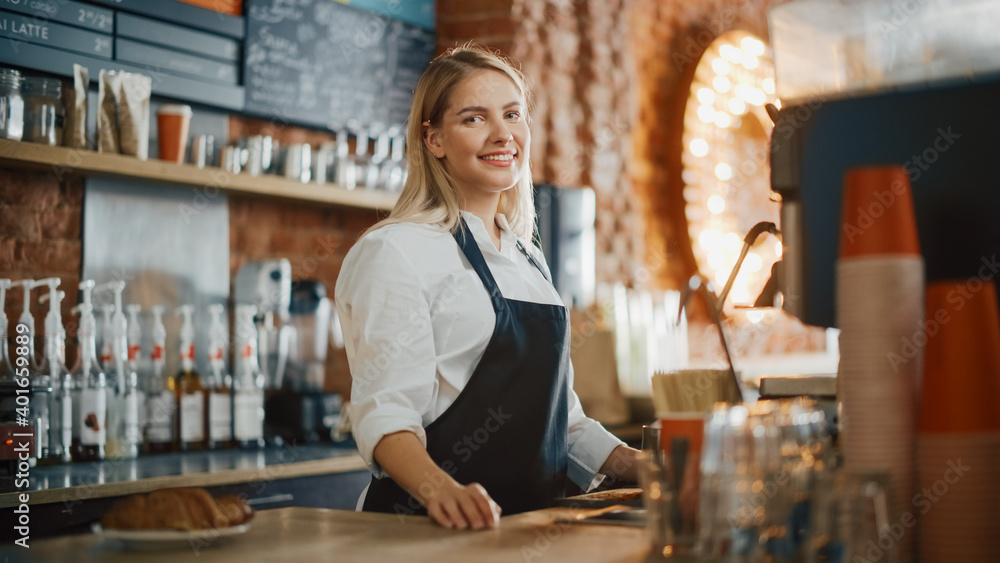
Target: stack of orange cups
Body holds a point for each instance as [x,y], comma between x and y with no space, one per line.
[880,300]
[959,441]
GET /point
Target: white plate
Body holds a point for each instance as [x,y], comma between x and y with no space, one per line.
[170,539]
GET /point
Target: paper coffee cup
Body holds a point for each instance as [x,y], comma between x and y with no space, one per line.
[173,122]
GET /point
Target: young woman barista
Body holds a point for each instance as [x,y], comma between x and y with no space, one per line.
[462,393]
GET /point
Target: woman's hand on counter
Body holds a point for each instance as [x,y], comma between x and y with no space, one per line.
[622,464]
[448,502]
[463,506]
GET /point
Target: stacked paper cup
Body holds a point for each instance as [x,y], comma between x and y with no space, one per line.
[880,303]
[959,439]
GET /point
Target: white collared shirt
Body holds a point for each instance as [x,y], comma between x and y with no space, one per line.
[416,321]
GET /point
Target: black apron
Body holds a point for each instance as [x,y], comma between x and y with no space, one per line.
[507,429]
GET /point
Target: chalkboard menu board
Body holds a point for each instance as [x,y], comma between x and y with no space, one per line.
[194,58]
[318,62]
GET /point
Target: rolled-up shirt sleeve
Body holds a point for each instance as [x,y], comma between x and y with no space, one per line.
[590,444]
[384,312]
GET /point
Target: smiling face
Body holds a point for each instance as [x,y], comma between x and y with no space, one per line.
[482,138]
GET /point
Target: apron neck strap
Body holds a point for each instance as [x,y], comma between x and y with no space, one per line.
[467,242]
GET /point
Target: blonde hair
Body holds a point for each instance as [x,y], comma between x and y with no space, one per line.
[430,195]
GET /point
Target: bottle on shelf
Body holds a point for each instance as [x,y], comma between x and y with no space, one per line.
[134,365]
[346,174]
[13,371]
[248,382]
[104,335]
[123,400]
[89,386]
[218,399]
[26,317]
[40,382]
[161,403]
[6,366]
[360,160]
[188,389]
[61,398]
[134,335]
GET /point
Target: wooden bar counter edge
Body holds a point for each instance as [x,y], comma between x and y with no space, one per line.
[315,534]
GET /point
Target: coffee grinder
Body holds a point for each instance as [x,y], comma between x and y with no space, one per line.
[302,412]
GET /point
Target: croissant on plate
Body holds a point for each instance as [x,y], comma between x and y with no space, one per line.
[177,509]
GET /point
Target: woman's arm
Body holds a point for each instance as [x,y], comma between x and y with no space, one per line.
[622,465]
[593,449]
[449,503]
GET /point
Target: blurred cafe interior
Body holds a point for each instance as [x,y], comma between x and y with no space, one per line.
[770,222]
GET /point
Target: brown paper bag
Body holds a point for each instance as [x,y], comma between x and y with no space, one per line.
[75,101]
[108,90]
[596,376]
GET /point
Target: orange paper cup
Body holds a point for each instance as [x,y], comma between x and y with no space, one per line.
[961,382]
[687,426]
[681,437]
[877,216]
[173,122]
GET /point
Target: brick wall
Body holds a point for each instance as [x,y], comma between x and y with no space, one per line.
[576,54]
[487,22]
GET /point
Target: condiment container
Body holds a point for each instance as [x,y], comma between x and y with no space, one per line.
[43,110]
[11,105]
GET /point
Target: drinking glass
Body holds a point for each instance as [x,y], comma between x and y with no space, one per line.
[759,476]
[669,534]
[852,519]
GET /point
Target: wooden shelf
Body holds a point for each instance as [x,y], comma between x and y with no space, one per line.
[90,163]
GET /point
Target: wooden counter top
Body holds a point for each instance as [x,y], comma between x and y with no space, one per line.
[313,534]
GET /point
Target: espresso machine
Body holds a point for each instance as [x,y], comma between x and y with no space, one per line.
[942,134]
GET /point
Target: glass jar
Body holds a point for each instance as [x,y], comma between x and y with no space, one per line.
[43,111]
[11,105]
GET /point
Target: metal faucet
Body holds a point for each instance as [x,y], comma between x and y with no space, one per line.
[715,304]
[700,282]
[755,232]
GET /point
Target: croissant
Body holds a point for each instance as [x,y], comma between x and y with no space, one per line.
[235,509]
[177,509]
